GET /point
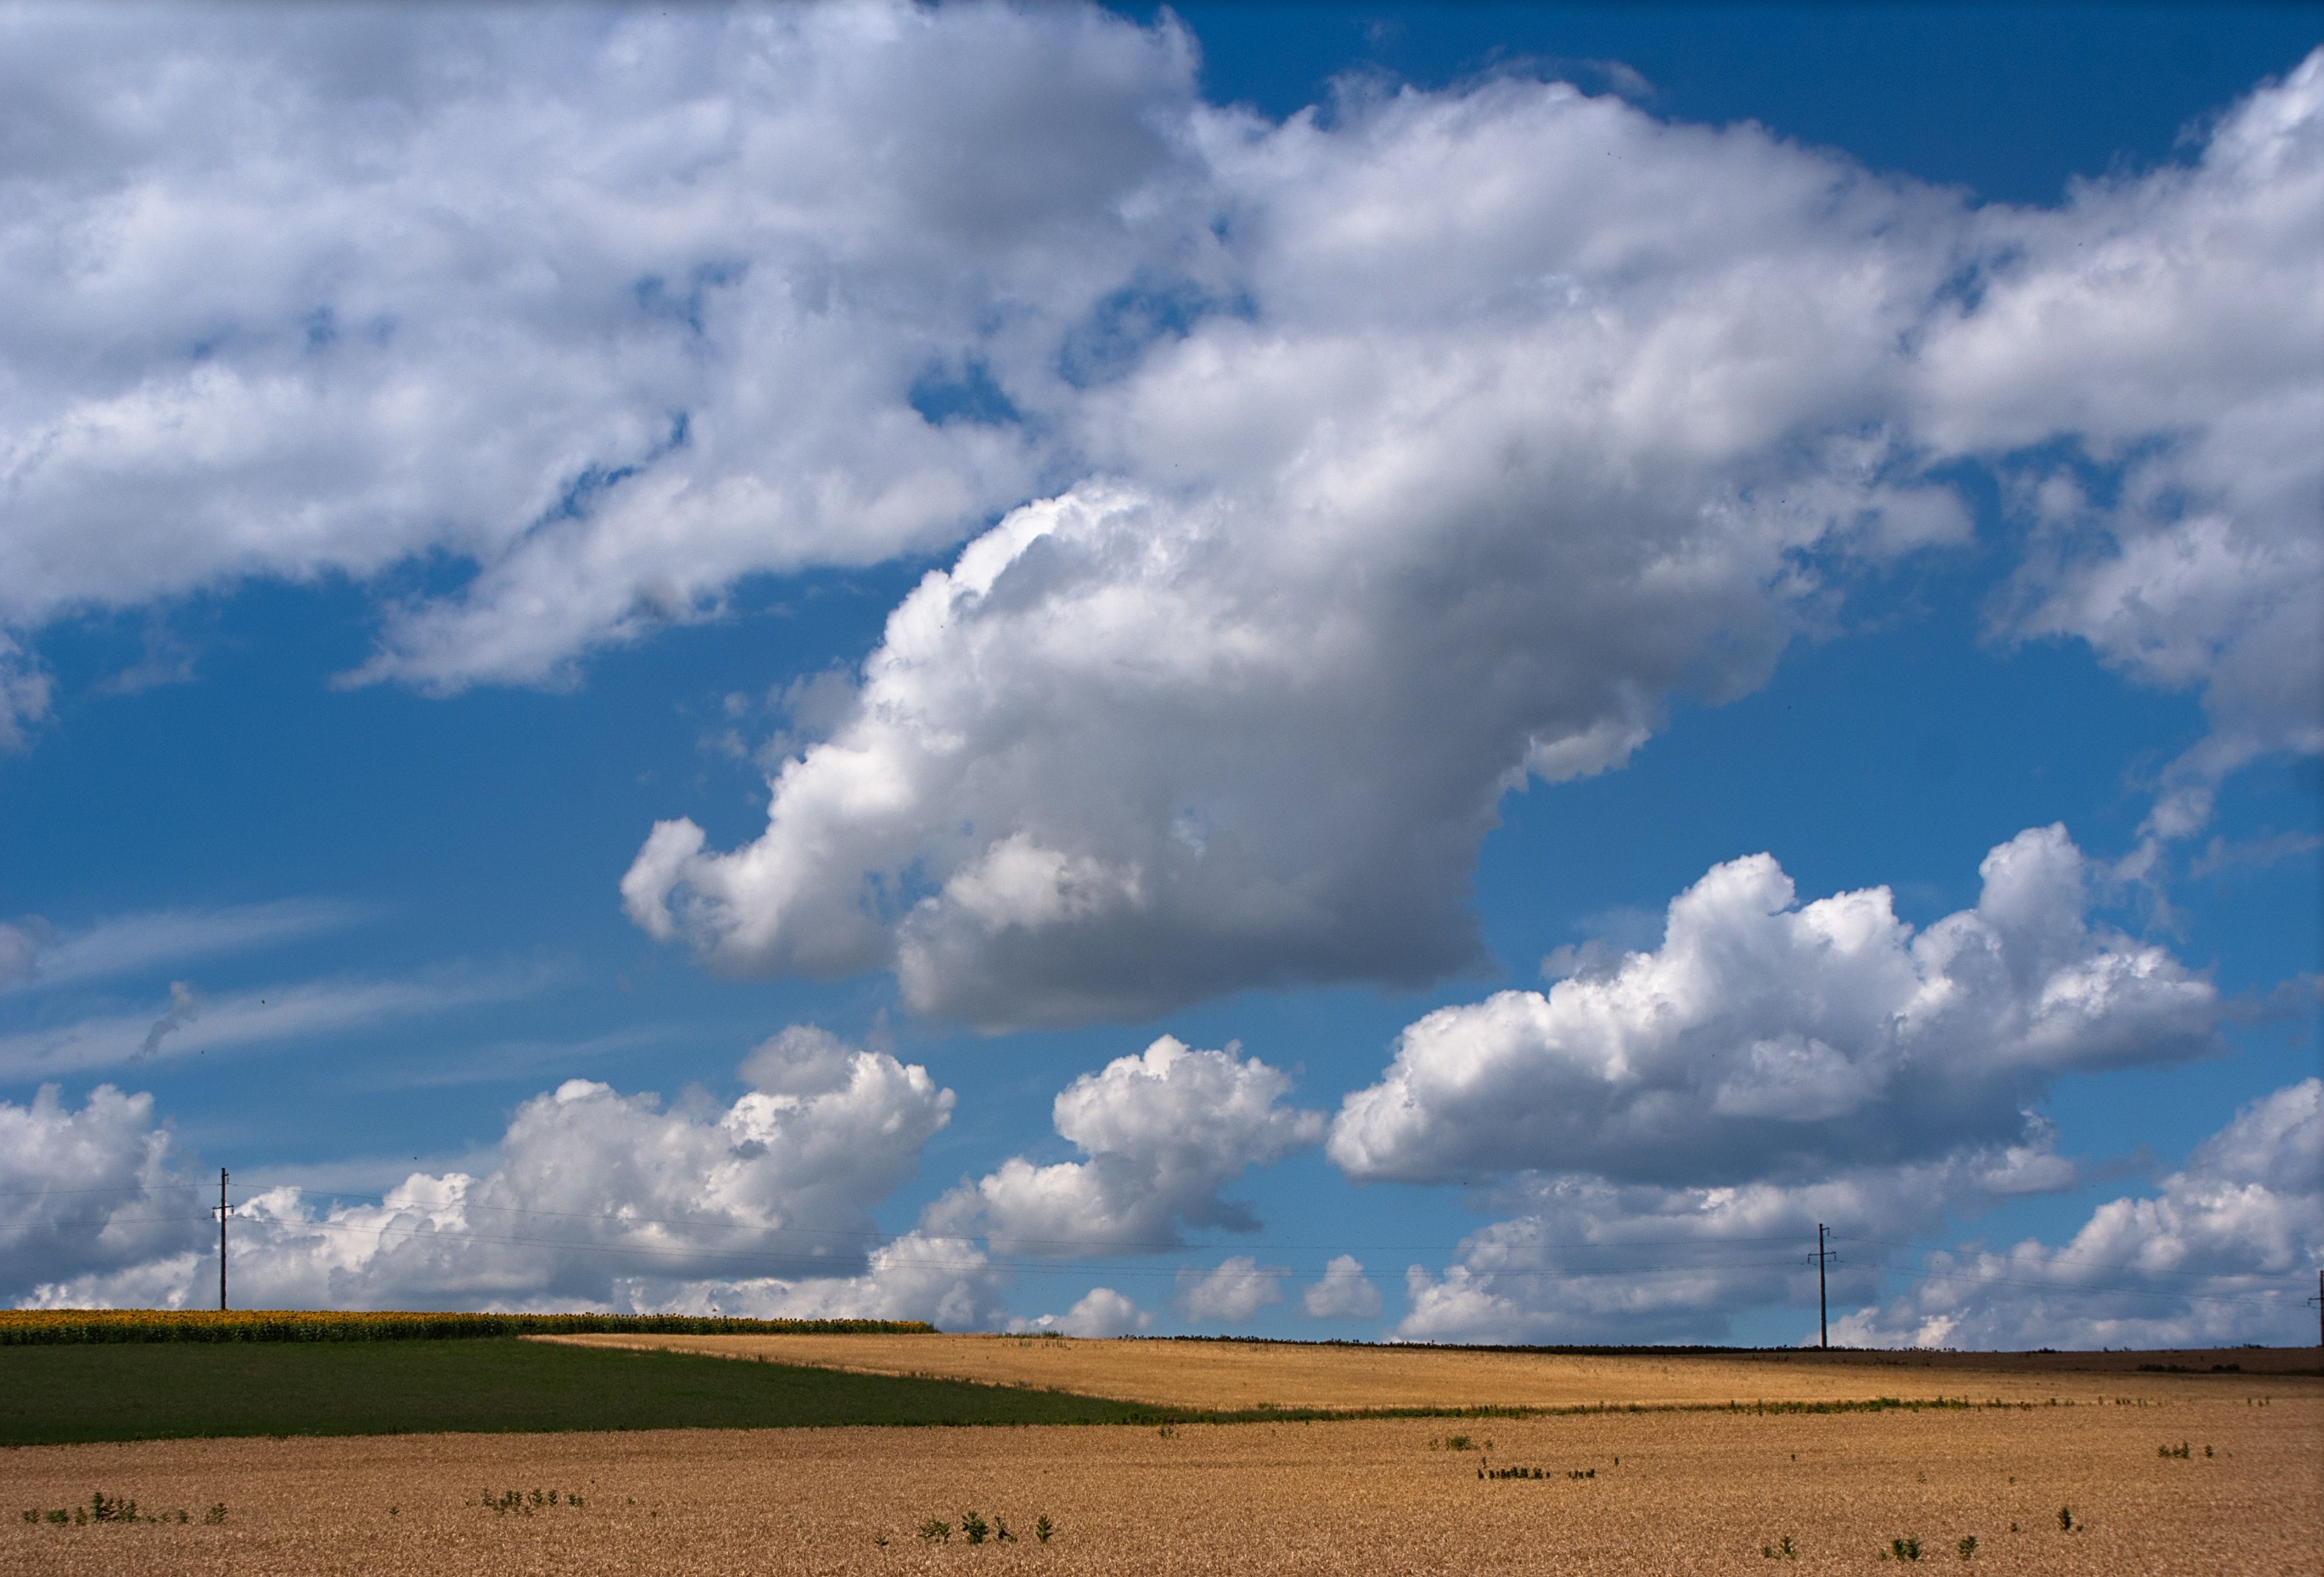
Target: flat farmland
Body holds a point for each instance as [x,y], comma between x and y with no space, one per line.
[1659,1492]
[1241,1376]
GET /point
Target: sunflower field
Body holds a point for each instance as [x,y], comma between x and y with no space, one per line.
[48,1327]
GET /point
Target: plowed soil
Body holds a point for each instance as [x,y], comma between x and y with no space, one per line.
[1661,1492]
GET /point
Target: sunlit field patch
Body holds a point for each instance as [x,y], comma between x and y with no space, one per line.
[2067,1490]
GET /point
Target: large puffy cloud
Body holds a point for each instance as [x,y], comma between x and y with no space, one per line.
[597,1198]
[616,309]
[2227,1251]
[1766,1039]
[1163,1133]
[1673,1125]
[1497,451]
[2148,362]
[86,1191]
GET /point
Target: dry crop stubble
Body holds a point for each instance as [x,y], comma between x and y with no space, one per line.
[1242,1375]
[1692,1492]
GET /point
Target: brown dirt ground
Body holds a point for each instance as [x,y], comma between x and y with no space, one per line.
[1239,1374]
[1692,1492]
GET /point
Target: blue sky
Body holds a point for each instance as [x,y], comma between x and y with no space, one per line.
[1296,583]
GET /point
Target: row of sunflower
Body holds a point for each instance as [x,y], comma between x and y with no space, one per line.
[20,1327]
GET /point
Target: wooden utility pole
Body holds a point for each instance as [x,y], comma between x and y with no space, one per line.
[224,1209]
[1824,1309]
[2319,1301]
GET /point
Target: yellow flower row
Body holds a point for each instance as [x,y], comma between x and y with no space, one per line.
[22,1326]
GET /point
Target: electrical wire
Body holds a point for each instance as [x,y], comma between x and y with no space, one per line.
[1085,1267]
[2054,1253]
[1083,1264]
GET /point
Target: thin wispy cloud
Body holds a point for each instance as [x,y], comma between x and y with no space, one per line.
[44,956]
[252,1018]
[503,1060]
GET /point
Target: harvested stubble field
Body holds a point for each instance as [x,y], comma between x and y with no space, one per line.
[1679,1491]
[1243,1375]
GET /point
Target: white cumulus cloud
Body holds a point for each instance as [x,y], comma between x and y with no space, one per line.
[1163,1133]
[2226,1252]
[1345,1293]
[594,1198]
[2165,332]
[85,1192]
[1100,1313]
[1590,1259]
[1770,1039]
[614,308]
[1229,1294]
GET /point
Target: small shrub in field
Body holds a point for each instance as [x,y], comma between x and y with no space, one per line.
[1904,1550]
[1000,1534]
[2065,1520]
[1967,1547]
[1780,1552]
[214,1514]
[972,1527]
[2180,1451]
[1043,1527]
[936,1531]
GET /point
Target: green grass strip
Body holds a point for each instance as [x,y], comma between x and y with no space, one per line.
[59,1395]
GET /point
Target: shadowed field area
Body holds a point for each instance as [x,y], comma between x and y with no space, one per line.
[2051,1490]
[1249,1375]
[144,1391]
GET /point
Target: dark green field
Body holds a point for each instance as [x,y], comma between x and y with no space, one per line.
[160,1390]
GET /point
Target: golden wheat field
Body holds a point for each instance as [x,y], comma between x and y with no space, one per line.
[1244,1375]
[1659,1492]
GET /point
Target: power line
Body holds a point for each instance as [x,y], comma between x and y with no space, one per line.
[1083,1267]
[2054,1253]
[1085,1264]
[2083,1286]
[1039,1267]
